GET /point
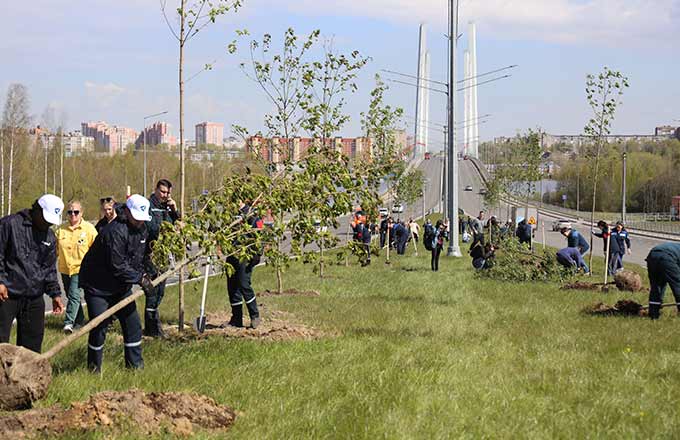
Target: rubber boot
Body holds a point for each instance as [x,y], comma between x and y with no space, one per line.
[236,316]
[253,313]
[150,324]
[158,326]
[654,311]
[94,360]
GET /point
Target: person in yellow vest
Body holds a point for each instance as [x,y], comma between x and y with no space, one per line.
[74,239]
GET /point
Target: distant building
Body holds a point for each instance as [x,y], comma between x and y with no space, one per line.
[74,143]
[666,130]
[209,133]
[158,133]
[109,139]
[578,139]
[277,150]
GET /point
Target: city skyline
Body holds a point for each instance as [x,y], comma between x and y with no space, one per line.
[555,42]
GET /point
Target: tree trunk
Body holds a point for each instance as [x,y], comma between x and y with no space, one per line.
[181,153]
[46,150]
[11,169]
[387,240]
[279,281]
[592,210]
[321,259]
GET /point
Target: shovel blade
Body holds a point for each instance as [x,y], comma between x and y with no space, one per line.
[199,324]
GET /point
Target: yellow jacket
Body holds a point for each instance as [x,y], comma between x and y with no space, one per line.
[73,243]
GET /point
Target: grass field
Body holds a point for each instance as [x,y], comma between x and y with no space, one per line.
[417,355]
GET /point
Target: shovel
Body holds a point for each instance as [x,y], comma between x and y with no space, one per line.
[26,375]
[199,323]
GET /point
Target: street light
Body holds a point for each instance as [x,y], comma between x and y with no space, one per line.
[144,130]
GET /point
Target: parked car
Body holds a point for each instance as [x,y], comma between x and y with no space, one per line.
[398,208]
[384,212]
[318,227]
[468,188]
[561,223]
[482,190]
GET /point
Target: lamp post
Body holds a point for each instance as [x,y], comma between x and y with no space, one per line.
[453,249]
[144,135]
[623,190]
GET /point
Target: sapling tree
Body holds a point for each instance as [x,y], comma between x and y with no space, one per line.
[193,16]
[603,93]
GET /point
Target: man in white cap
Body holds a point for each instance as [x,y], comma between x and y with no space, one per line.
[112,265]
[28,256]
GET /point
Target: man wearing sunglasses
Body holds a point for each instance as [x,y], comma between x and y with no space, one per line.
[74,239]
[163,209]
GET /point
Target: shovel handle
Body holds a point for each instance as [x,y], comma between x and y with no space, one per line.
[109,312]
[662,305]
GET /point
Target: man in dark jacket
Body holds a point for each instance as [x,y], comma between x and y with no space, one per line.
[663,267]
[239,283]
[570,257]
[620,235]
[575,240]
[401,234]
[163,209]
[614,257]
[28,257]
[524,232]
[112,265]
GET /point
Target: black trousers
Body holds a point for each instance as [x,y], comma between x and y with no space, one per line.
[129,323]
[434,262]
[30,316]
[401,245]
[240,289]
[662,269]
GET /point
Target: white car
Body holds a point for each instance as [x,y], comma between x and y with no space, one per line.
[468,188]
[383,212]
[398,208]
[561,223]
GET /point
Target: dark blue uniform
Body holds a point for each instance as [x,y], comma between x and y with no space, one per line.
[401,234]
[239,283]
[28,269]
[571,257]
[160,212]
[112,265]
[663,267]
[576,240]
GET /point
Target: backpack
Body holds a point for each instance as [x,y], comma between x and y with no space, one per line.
[428,236]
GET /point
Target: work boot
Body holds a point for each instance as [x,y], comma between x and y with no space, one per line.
[152,325]
[236,319]
[654,311]
[94,360]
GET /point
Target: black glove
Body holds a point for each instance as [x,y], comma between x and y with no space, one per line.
[146,284]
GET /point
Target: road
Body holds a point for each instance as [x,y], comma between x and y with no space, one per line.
[472,203]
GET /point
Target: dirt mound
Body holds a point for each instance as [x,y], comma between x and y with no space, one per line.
[24,377]
[147,413]
[628,281]
[624,307]
[275,326]
[289,292]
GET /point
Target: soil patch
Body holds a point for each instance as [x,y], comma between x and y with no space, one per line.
[274,326]
[289,292]
[624,307]
[147,413]
[583,285]
[627,280]
[24,377]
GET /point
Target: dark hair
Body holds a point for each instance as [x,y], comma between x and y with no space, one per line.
[164,182]
[602,224]
[440,223]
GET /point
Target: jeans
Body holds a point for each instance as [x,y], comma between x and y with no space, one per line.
[74,309]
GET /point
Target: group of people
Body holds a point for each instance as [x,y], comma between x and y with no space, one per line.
[103,262]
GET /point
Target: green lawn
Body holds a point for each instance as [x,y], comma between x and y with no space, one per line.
[419,355]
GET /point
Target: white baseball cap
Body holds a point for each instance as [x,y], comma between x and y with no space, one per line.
[52,207]
[139,207]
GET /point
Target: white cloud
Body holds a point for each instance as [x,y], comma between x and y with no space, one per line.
[602,22]
[104,95]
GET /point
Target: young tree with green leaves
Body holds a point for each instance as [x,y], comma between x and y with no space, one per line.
[194,16]
[603,93]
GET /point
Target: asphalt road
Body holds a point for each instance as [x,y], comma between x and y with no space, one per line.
[472,203]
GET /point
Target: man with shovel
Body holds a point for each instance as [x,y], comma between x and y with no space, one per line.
[112,265]
[663,267]
[28,257]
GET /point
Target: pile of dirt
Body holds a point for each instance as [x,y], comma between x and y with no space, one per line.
[274,326]
[24,377]
[625,307]
[288,292]
[147,413]
[629,281]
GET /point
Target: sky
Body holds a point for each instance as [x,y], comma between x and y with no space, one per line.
[117,60]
